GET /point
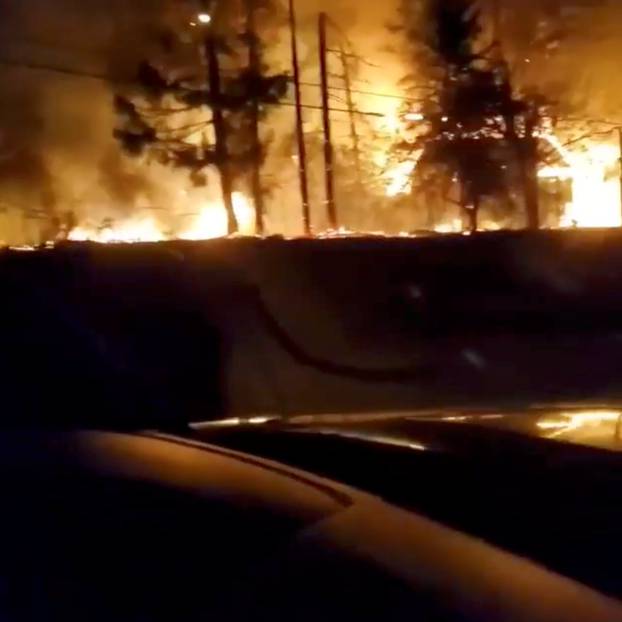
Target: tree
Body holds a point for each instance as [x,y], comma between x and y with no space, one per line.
[199,104]
[470,127]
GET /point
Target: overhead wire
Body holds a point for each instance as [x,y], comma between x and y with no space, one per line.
[108,79]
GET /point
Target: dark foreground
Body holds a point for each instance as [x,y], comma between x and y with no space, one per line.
[104,526]
[178,331]
[541,483]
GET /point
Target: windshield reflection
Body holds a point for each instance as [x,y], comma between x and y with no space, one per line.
[602,428]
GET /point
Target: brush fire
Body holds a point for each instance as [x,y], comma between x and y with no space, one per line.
[64,178]
[589,173]
[210,221]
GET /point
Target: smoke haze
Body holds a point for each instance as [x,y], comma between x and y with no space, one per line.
[56,147]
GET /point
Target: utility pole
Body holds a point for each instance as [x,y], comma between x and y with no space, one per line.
[300,137]
[356,145]
[328,145]
[254,66]
[220,131]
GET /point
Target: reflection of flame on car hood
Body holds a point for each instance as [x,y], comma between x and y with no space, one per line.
[597,427]
[591,427]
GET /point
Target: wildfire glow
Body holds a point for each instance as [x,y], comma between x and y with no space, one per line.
[398,178]
[132,230]
[451,226]
[590,168]
[595,192]
[209,222]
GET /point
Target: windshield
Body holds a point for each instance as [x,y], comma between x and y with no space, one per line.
[315,214]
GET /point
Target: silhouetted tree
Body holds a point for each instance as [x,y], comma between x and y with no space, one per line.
[199,104]
[472,128]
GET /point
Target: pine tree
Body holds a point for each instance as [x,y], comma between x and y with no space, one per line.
[472,132]
[199,104]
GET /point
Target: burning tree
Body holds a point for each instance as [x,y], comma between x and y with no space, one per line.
[199,104]
[470,130]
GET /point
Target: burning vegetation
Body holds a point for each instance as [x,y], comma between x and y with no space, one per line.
[473,120]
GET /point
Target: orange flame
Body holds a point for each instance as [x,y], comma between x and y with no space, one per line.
[210,222]
[595,193]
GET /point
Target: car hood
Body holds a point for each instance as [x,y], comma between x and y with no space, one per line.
[543,483]
[598,426]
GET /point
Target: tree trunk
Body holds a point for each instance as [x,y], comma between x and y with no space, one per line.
[226,186]
[470,207]
[529,175]
[258,198]
[526,152]
[300,137]
[220,133]
[472,216]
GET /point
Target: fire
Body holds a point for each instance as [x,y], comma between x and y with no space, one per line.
[398,178]
[589,169]
[451,226]
[209,222]
[144,230]
[595,193]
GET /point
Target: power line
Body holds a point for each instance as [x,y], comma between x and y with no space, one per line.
[51,68]
[359,92]
[312,107]
[105,78]
[350,54]
[109,79]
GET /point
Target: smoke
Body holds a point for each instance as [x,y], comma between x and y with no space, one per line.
[57,153]
[568,50]
[376,67]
